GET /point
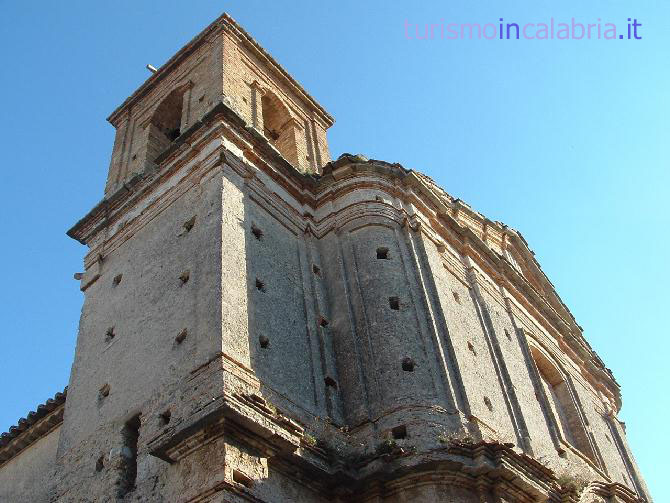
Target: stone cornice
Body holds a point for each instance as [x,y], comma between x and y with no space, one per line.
[483,466]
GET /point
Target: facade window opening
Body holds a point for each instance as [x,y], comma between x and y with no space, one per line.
[562,404]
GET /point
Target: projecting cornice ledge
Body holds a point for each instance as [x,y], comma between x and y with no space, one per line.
[482,467]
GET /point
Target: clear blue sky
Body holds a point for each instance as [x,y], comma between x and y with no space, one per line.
[567,141]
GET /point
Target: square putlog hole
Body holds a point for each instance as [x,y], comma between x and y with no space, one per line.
[408,364]
[189,224]
[258,234]
[399,432]
[181,336]
[164,418]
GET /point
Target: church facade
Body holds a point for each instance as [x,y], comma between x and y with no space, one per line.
[264,324]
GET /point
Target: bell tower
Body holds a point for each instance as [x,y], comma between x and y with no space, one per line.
[223,63]
[194,283]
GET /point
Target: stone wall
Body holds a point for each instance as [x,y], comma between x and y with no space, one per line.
[28,477]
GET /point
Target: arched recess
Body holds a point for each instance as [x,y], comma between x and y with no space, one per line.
[279,127]
[562,405]
[165,124]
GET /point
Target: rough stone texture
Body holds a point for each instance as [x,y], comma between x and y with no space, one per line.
[261,324]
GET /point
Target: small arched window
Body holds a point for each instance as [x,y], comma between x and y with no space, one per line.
[165,125]
[562,404]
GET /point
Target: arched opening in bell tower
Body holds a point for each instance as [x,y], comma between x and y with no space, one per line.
[165,124]
[278,127]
